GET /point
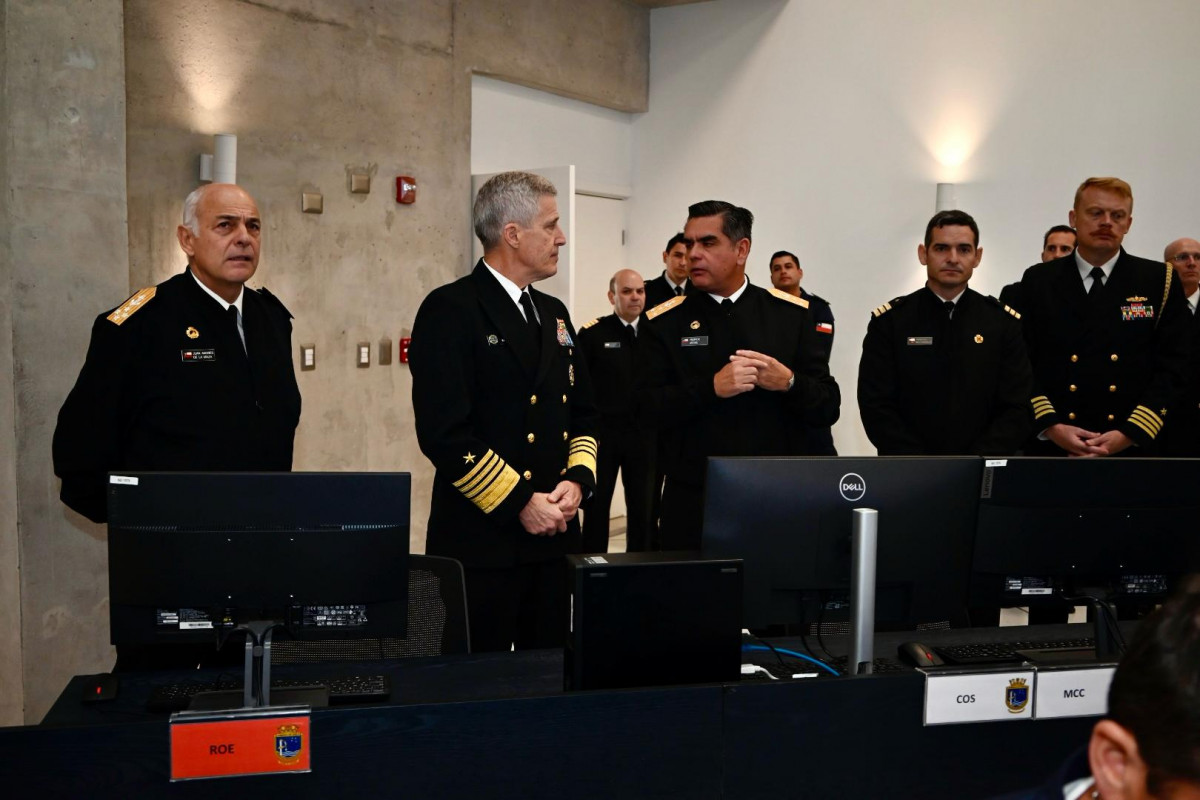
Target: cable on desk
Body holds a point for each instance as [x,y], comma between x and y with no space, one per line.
[747,648]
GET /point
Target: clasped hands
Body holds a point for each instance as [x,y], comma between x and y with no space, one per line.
[748,369]
[548,513]
[1080,443]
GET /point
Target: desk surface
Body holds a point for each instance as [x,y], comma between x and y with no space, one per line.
[499,725]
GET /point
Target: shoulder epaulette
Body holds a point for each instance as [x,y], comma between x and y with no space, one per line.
[131,306]
[589,324]
[886,307]
[665,306]
[1009,309]
[791,298]
[266,295]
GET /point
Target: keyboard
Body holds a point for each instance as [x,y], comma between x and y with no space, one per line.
[343,689]
[996,652]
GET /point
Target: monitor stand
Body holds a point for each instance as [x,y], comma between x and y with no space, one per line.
[256,679]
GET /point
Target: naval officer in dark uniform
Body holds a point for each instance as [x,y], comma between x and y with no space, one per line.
[674,279]
[504,410]
[738,366]
[194,374]
[627,439]
[1181,434]
[944,369]
[1107,336]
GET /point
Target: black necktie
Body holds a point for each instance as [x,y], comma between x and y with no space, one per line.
[531,320]
[678,291]
[948,307]
[727,306]
[1097,276]
[232,313]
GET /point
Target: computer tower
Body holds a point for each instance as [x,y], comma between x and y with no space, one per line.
[652,619]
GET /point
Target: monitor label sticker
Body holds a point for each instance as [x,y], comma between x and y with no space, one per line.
[123,480]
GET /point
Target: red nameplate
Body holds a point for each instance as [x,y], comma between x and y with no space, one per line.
[233,745]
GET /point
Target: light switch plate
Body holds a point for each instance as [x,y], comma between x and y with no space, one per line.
[308,357]
[360,183]
[364,354]
[312,202]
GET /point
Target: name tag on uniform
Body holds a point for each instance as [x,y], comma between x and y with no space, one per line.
[694,341]
[611,345]
[919,340]
[191,356]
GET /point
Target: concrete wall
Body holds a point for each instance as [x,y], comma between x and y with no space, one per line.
[314,89]
[64,219]
[833,122]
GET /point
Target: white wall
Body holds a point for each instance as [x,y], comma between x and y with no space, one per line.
[832,122]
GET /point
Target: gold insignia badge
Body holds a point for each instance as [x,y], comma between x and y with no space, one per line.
[695,325]
[493,339]
[192,333]
[469,457]
[1135,299]
[979,338]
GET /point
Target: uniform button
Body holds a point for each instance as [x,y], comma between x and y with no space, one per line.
[564,398]
[533,399]
[1074,358]
[1115,357]
[564,436]
[1069,416]
[562,472]
[1073,387]
[1112,388]
[528,475]
[1111,417]
[530,437]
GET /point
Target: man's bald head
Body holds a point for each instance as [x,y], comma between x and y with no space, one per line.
[627,293]
[1184,256]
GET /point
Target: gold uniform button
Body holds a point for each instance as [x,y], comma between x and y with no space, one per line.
[564,398]
[1073,387]
[1112,388]
[533,399]
[528,475]
[1115,357]
[564,436]
[1074,359]
[1111,417]
[530,437]
[1069,416]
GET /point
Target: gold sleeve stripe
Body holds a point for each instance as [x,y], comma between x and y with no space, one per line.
[1149,432]
[130,306]
[1150,412]
[1041,406]
[488,483]
[1146,421]
[582,453]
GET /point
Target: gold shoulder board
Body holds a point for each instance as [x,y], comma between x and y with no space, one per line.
[589,324]
[664,307]
[883,309]
[791,298]
[1013,311]
[130,306]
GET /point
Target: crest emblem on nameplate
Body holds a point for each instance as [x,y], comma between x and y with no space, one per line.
[1016,696]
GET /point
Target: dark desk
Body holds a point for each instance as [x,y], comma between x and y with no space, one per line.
[499,725]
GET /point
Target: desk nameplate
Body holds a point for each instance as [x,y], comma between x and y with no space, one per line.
[243,742]
[1072,692]
[978,697]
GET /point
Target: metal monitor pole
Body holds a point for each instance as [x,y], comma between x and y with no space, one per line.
[865,535]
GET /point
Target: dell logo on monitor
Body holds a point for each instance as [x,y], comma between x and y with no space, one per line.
[852,487]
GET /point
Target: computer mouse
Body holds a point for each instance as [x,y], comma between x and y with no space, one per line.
[918,655]
[98,688]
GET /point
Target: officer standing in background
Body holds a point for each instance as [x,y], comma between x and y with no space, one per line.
[944,369]
[735,366]
[504,410]
[1181,434]
[612,348]
[674,279]
[1057,242]
[1107,335]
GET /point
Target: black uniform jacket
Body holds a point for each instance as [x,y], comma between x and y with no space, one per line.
[1181,434]
[822,316]
[692,338]
[1118,363]
[613,353]
[167,386]
[932,385]
[658,290]
[498,420]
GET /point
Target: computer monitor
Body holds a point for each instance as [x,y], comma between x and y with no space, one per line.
[1056,527]
[192,555]
[789,519]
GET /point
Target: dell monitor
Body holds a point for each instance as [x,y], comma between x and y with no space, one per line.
[789,519]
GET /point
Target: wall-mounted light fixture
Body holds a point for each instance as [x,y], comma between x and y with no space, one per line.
[946,197]
[221,165]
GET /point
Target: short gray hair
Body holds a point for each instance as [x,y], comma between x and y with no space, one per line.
[508,197]
[190,203]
